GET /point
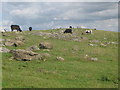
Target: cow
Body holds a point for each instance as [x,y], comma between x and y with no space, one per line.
[15,27]
[70,27]
[88,31]
[68,31]
[30,28]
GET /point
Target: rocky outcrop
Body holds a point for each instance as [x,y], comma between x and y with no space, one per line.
[4,50]
[25,55]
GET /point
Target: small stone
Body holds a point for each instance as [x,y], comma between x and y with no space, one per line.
[46,55]
[33,48]
[4,50]
[93,44]
[95,41]
[94,59]
[20,38]
[60,58]
[103,45]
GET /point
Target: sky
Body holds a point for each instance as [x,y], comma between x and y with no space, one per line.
[48,15]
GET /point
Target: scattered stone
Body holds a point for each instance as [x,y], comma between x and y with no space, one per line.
[20,38]
[76,40]
[46,50]
[9,43]
[114,43]
[93,44]
[4,50]
[2,45]
[90,58]
[105,38]
[13,43]
[45,45]
[33,48]
[60,58]
[95,41]
[84,38]
[26,55]
[94,59]
[102,44]
[17,43]
[46,55]
[1,40]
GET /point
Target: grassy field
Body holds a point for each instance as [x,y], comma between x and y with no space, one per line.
[74,72]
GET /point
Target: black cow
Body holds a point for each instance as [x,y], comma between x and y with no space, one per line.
[15,27]
[68,31]
[70,27]
[30,28]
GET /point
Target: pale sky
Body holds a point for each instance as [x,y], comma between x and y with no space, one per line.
[46,15]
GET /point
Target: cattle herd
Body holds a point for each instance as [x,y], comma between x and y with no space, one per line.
[68,30]
[17,27]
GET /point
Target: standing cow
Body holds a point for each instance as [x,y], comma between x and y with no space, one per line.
[15,27]
[68,31]
[30,28]
[88,31]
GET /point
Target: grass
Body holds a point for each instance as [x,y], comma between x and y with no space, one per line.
[74,72]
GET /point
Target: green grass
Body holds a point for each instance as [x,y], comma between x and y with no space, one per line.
[74,72]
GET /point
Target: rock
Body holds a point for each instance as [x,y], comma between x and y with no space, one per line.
[13,43]
[102,44]
[19,38]
[114,43]
[33,48]
[17,43]
[76,40]
[94,59]
[1,45]
[1,40]
[84,38]
[60,58]
[105,38]
[4,50]
[25,55]
[95,41]
[46,55]
[93,44]
[87,57]
[46,50]
[45,45]
[9,43]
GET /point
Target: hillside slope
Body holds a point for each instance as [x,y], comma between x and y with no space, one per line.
[90,60]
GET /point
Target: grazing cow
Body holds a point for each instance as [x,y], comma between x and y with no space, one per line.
[88,31]
[15,27]
[30,28]
[70,27]
[68,31]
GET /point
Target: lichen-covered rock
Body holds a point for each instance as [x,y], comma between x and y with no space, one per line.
[45,45]
[60,59]
[33,48]
[19,38]
[25,55]
[4,50]
[46,55]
